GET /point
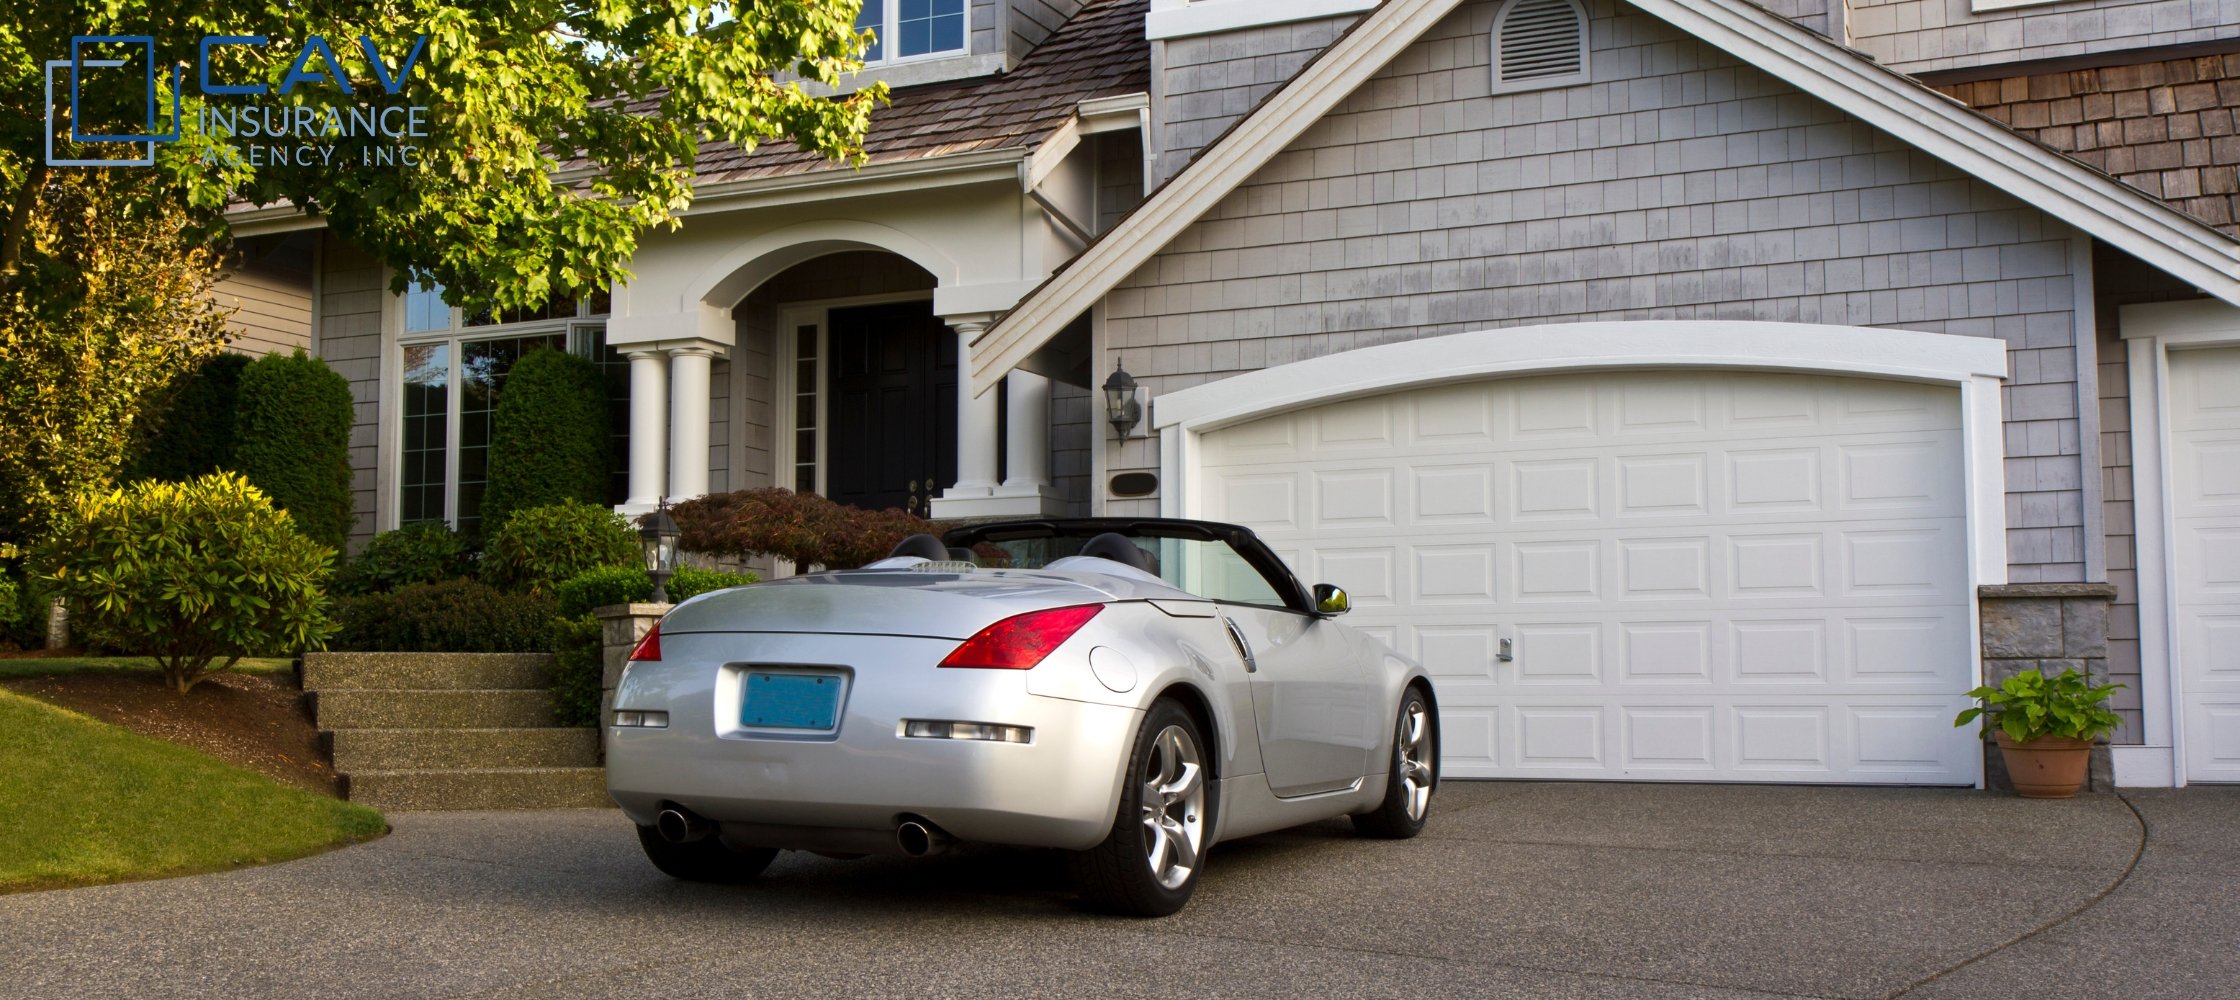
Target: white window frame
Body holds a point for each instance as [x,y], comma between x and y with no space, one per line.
[1586,54]
[389,477]
[890,38]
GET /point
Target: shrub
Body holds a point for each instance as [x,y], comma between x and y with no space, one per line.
[415,553]
[806,528]
[292,439]
[11,610]
[454,616]
[541,547]
[189,573]
[578,661]
[598,588]
[548,438]
[192,433]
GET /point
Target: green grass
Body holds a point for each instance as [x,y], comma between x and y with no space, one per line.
[84,802]
[46,666]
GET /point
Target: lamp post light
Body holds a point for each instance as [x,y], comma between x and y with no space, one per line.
[1120,405]
[657,538]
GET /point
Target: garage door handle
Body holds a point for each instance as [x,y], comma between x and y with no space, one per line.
[1244,649]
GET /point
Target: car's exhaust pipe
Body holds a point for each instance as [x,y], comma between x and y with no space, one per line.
[921,839]
[679,825]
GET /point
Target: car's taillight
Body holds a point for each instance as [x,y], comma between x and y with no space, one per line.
[648,648]
[1021,641]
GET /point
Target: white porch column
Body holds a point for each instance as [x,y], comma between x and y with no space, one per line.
[1026,452]
[649,427]
[689,374]
[976,420]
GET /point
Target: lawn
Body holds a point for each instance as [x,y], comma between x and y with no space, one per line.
[86,802]
[40,666]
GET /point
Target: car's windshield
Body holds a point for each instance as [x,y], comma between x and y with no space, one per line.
[1208,568]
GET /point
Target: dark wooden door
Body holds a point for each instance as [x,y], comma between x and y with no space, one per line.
[893,372]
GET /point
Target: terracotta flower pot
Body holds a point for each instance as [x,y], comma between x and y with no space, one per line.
[2047,767]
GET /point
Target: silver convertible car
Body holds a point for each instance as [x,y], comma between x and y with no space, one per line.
[1133,691]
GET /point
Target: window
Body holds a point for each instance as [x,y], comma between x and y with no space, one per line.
[1539,44]
[908,29]
[454,371]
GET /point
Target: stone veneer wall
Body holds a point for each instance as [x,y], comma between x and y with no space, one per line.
[2050,628]
[2165,127]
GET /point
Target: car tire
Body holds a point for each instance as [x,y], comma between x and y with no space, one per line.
[1149,862]
[1413,775]
[704,860]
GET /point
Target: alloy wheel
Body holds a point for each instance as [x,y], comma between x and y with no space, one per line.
[1174,807]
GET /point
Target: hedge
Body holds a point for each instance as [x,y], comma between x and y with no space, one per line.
[541,547]
[549,437]
[415,553]
[455,616]
[292,439]
[578,661]
[192,433]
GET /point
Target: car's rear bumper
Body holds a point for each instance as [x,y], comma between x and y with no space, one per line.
[848,790]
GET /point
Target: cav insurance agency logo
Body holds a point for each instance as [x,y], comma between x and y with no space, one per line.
[267,133]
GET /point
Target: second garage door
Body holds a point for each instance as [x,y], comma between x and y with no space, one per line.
[1643,575]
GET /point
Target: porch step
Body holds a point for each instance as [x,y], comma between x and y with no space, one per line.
[480,788]
[425,671]
[360,750]
[433,709]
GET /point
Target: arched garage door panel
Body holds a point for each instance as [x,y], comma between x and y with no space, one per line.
[1705,576]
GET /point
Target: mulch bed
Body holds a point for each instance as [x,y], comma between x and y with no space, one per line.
[252,722]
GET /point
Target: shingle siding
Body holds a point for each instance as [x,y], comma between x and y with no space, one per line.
[269,291]
[1681,184]
[2165,127]
[1204,83]
[1919,36]
[1822,16]
[350,299]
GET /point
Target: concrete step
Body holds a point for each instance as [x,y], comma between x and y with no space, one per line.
[425,671]
[417,749]
[336,710]
[482,788]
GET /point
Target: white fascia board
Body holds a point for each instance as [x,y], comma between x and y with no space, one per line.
[1180,18]
[919,174]
[250,220]
[2132,221]
[1377,40]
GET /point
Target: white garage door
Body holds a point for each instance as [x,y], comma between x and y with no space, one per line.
[1706,576]
[2205,511]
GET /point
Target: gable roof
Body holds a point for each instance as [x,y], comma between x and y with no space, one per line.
[1881,97]
[1099,52]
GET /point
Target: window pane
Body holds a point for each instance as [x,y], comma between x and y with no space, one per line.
[427,375]
[930,26]
[424,309]
[873,19]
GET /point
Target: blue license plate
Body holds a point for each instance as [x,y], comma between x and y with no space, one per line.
[791,701]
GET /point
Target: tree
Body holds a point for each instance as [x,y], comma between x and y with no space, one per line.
[109,302]
[548,438]
[555,131]
[292,439]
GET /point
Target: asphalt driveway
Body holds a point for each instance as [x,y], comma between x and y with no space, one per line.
[1525,890]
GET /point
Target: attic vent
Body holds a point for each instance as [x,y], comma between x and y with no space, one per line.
[1539,43]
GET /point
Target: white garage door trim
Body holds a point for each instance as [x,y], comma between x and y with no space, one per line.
[1974,366]
[2151,333]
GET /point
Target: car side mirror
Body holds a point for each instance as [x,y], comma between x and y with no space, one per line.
[1331,600]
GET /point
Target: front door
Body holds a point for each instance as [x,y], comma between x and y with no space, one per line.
[893,376]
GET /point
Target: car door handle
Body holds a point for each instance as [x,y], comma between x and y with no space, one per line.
[1244,649]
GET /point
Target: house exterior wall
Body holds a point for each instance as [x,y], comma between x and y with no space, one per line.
[1202,84]
[1823,16]
[1680,184]
[349,339]
[2165,127]
[269,291]
[1920,36]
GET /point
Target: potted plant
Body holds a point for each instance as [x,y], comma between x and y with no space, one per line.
[2045,728]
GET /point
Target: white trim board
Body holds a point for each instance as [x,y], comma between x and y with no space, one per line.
[1179,18]
[2150,333]
[2063,187]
